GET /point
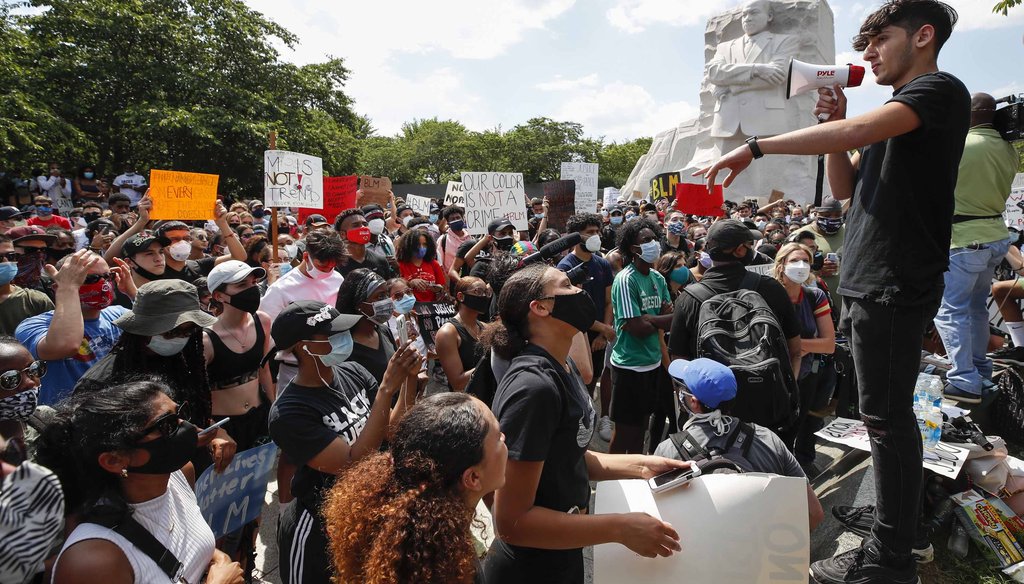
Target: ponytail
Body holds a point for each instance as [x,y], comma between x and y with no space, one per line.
[509,337]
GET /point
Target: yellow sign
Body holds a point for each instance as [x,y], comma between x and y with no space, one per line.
[186,196]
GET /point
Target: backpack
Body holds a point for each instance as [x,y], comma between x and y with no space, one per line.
[738,329]
[710,460]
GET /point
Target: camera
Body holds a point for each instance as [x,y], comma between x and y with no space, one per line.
[818,261]
[1009,120]
[578,275]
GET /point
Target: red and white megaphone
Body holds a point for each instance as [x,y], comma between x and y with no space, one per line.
[804,77]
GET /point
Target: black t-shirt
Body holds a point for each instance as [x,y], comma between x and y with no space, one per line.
[373,261]
[483,259]
[305,420]
[375,361]
[899,225]
[608,236]
[683,246]
[546,415]
[193,270]
[682,340]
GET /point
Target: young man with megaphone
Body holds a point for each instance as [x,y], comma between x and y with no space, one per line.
[901,182]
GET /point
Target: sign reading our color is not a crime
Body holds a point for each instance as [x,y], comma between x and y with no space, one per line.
[292,179]
[494,195]
[185,196]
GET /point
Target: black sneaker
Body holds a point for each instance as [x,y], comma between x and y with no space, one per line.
[859,520]
[1010,354]
[954,393]
[859,566]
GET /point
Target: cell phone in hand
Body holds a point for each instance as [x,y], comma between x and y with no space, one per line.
[673,479]
[403,329]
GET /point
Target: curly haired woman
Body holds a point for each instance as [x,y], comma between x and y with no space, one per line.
[405,516]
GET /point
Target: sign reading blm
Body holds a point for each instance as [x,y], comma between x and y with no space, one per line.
[230,499]
[291,179]
[494,195]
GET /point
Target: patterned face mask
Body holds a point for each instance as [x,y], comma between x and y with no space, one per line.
[20,405]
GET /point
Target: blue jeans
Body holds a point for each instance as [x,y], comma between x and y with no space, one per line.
[962,321]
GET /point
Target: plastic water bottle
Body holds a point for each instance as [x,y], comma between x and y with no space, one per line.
[958,540]
[935,391]
[920,403]
[932,428]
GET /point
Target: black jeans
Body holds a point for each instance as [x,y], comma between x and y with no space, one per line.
[886,343]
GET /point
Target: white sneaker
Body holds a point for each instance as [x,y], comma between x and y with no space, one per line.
[604,428]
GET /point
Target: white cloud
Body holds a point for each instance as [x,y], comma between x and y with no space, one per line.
[636,15]
[978,15]
[623,111]
[560,83]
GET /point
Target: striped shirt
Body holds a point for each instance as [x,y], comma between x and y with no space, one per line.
[633,295]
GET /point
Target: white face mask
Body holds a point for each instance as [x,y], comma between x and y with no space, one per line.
[292,249]
[593,243]
[167,347]
[376,226]
[315,273]
[180,250]
[408,219]
[798,272]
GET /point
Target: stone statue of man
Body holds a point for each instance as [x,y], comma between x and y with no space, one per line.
[749,77]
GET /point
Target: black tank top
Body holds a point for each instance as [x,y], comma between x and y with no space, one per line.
[467,346]
[229,369]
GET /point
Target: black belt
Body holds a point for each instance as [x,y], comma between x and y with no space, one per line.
[962,218]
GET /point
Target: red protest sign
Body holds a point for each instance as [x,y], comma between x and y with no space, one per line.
[695,199]
[339,194]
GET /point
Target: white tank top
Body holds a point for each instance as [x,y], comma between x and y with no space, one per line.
[174,520]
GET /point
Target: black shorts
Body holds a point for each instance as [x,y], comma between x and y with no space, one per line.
[635,394]
[302,547]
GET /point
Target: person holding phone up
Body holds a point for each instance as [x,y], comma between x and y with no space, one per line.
[417,261]
[543,408]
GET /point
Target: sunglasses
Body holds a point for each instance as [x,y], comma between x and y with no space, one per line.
[94,278]
[12,379]
[168,423]
[9,256]
[30,251]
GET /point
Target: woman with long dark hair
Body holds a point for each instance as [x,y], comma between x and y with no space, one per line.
[546,414]
[417,262]
[122,454]
[405,515]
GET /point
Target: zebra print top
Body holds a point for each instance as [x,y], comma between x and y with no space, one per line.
[31,518]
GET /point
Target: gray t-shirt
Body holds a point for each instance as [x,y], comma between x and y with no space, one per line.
[768,453]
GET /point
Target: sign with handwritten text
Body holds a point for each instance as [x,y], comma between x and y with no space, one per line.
[494,195]
[585,175]
[230,499]
[292,179]
[185,196]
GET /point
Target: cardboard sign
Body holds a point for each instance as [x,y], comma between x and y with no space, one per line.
[947,460]
[560,195]
[663,186]
[611,197]
[339,195]
[694,199]
[746,528]
[292,179]
[1014,214]
[374,190]
[185,196]
[431,317]
[230,499]
[494,195]
[454,195]
[585,176]
[419,204]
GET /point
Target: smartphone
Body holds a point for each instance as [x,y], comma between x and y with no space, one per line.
[673,478]
[403,329]
[213,427]
[832,257]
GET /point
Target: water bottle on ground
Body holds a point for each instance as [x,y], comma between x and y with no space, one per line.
[958,540]
[933,428]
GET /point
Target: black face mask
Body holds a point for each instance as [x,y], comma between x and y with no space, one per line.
[504,243]
[90,217]
[57,254]
[480,304]
[577,310]
[247,300]
[169,453]
[745,260]
[144,272]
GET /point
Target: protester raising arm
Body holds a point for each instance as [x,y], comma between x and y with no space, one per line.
[67,328]
[116,246]
[237,252]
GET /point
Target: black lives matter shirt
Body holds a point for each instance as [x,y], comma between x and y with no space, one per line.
[900,219]
[305,420]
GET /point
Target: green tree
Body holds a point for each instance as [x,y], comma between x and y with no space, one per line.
[540,146]
[486,151]
[1003,6]
[618,160]
[386,156]
[436,148]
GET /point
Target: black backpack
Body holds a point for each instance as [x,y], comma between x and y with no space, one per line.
[712,459]
[738,329]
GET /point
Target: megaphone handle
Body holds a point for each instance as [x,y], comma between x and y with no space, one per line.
[825,117]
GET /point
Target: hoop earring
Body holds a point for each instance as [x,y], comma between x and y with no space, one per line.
[124,473]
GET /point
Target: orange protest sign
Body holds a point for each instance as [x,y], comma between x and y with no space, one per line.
[187,196]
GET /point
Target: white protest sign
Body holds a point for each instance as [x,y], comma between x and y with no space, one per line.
[763,269]
[1014,214]
[746,528]
[947,460]
[453,194]
[419,204]
[291,179]
[585,175]
[611,197]
[494,195]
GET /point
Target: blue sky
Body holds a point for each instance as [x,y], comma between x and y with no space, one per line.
[622,68]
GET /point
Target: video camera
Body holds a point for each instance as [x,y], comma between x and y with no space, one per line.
[1009,120]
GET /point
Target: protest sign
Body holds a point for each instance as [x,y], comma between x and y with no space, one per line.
[374,190]
[431,316]
[611,197]
[419,204]
[946,460]
[292,179]
[585,176]
[339,195]
[494,195]
[230,499]
[185,196]
[694,199]
[663,185]
[559,194]
[776,196]
[1014,215]
[763,269]
[453,195]
[748,528]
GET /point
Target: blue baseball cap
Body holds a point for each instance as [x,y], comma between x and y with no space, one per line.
[709,381]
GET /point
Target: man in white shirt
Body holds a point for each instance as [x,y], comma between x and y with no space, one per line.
[131,184]
[57,188]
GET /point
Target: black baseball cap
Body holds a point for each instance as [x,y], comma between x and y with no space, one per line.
[304,318]
[497,225]
[140,242]
[161,231]
[316,219]
[728,234]
[8,213]
[373,212]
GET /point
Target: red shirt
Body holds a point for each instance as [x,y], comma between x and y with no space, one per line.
[53,220]
[429,272]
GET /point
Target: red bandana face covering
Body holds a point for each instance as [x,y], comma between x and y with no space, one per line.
[97,296]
